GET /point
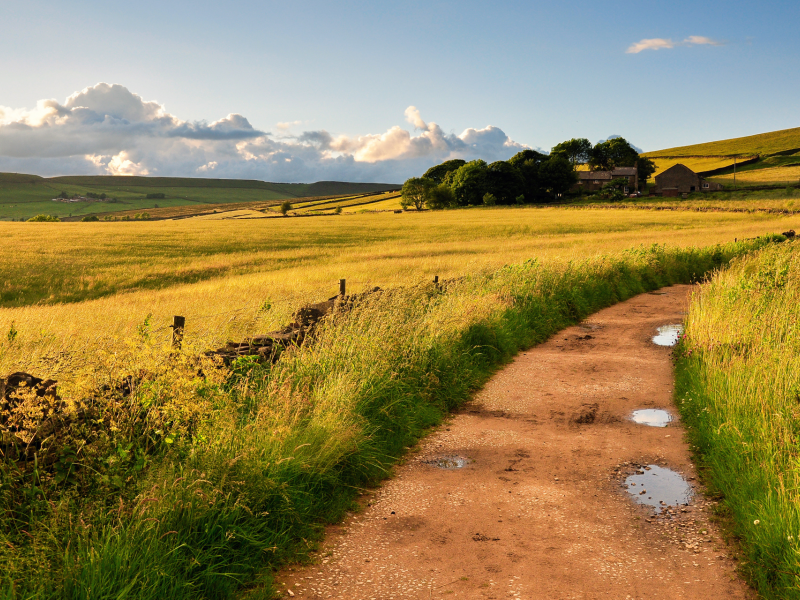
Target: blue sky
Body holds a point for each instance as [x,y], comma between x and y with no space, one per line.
[537,72]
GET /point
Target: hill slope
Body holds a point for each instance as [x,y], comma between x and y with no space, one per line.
[767,158]
[23,196]
[785,141]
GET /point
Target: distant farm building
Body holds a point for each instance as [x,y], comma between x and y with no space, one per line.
[680,179]
[593,181]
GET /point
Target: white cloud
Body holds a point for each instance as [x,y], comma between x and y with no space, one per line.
[288,125]
[700,40]
[665,43]
[106,129]
[651,44]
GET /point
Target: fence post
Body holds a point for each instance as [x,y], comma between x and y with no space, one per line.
[178,324]
[342,287]
[435,279]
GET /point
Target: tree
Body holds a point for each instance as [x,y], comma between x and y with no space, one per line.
[469,183]
[608,155]
[577,150]
[613,190]
[557,175]
[285,207]
[89,218]
[646,168]
[528,162]
[415,192]
[526,155]
[440,197]
[504,182]
[439,172]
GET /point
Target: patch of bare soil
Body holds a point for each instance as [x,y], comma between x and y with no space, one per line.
[536,506]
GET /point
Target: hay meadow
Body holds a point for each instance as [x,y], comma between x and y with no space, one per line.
[200,479]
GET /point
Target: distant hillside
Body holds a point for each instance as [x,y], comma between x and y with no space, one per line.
[23,196]
[786,141]
[766,159]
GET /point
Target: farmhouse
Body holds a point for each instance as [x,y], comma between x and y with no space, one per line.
[592,181]
[680,179]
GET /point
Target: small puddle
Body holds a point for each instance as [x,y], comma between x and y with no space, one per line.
[658,487]
[668,335]
[654,417]
[448,462]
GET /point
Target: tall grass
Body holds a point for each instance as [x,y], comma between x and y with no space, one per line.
[739,391]
[195,487]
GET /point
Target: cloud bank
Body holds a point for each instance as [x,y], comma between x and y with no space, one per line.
[107,129]
[662,43]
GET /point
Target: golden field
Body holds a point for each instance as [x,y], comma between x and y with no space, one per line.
[72,290]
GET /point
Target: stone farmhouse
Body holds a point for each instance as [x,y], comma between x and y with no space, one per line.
[592,181]
[680,179]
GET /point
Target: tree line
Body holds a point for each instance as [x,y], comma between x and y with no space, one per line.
[527,177]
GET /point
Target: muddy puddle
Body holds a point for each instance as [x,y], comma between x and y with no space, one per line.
[448,462]
[667,335]
[653,417]
[658,487]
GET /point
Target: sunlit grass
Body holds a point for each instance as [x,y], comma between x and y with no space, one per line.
[739,391]
[232,278]
[196,485]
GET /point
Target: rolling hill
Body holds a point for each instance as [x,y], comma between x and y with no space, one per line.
[772,155]
[23,196]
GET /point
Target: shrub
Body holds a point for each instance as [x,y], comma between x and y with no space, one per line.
[44,219]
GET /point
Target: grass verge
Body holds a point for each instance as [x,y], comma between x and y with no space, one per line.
[196,488]
[738,389]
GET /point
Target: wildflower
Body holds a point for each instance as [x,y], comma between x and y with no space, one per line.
[756,522]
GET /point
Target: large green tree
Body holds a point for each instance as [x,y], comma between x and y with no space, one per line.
[504,182]
[415,192]
[439,172]
[440,196]
[469,183]
[527,162]
[613,153]
[577,150]
[557,175]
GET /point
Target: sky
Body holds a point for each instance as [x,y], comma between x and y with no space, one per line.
[379,90]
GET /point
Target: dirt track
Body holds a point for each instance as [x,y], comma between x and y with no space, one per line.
[539,510]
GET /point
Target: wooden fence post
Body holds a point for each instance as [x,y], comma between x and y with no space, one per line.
[342,287]
[178,324]
[435,279]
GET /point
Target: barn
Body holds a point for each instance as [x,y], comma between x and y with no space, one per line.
[680,179]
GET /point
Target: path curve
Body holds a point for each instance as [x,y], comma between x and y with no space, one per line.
[539,510]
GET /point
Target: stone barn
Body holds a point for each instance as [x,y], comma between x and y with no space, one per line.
[680,179]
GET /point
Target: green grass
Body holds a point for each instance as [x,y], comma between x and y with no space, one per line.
[256,463]
[738,389]
[23,196]
[763,144]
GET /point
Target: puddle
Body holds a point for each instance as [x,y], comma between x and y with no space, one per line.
[448,462]
[668,335]
[654,417]
[658,487]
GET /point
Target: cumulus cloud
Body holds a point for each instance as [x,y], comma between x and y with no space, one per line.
[662,43]
[107,129]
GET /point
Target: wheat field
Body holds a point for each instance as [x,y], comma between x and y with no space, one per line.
[72,290]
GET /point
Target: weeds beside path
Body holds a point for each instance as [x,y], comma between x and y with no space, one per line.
[739,391]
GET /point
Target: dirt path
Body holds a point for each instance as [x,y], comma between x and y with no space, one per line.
[539,510]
